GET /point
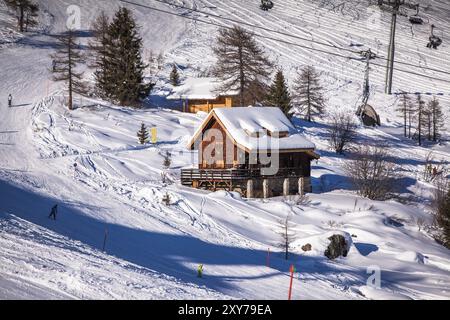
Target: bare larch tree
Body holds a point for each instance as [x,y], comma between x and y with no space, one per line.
[308,93]
[241,65]
[436,119]
[406,109]
[26,12]
[65,60]
[420,112]
[287,235]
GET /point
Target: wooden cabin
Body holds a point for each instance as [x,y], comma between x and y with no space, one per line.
[202,94]
[255,151]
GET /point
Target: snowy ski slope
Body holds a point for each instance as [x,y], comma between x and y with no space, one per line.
[152,251]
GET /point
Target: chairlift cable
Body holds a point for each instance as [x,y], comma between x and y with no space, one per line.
[291,43]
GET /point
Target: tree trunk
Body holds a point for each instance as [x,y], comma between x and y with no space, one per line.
[21,16]
[434,126]
[242,81]
[429,126]
[309,98]
[405,119]
[70,75]
[420,127]
[409,124]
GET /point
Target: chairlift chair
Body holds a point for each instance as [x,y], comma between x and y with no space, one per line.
[434,41]
[416,19]
[266,5]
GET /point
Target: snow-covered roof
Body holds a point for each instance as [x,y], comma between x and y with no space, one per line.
[199,88]
[258,128]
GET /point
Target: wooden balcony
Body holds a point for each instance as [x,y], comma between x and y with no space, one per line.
[233,175]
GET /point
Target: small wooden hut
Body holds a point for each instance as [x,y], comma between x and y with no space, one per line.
[202,94]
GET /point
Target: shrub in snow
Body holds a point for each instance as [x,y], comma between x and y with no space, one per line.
[341,131]
[371,173]
[307,247]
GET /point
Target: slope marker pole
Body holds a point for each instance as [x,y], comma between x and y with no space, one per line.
[292,270]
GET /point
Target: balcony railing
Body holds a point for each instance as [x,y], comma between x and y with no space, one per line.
[188,175]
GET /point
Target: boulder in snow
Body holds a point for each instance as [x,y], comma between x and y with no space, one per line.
[339,246]
[307,247]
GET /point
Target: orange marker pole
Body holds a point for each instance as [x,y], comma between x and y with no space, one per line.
[292,270]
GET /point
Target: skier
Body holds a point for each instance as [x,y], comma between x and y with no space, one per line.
[53,212]
[200,271]
[9,100]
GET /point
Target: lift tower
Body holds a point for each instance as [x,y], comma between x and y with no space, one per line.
[392,6]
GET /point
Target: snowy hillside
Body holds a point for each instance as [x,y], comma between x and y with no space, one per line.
[89,162]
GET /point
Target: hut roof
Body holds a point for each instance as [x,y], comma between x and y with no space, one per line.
[257,128]
[199,89]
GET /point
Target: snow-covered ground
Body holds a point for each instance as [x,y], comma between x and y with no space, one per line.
[88,161]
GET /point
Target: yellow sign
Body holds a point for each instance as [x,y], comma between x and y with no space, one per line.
[154,134]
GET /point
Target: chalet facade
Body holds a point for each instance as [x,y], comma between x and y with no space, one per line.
[201,94]
[255,151]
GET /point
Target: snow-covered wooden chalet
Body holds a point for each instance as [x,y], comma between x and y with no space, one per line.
[256,151]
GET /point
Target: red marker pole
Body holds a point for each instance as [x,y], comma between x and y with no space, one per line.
[292,270]
[268,258]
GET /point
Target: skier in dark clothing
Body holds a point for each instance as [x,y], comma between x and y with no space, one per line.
[53,212]
[9,100]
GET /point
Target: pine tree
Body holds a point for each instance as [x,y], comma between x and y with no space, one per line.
[434,109]
[279,95]
[99,48]
[26,12]
[142,134]
[124,75]
[174,76]
[308,96]
[65,62]
[241,65]
[420,111]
